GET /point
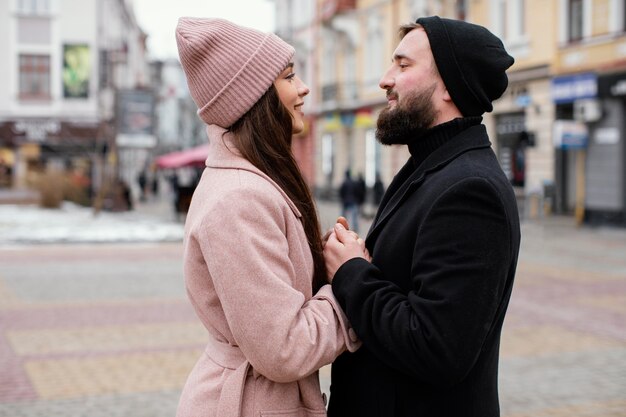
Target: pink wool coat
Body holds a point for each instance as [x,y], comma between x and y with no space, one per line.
[248,271]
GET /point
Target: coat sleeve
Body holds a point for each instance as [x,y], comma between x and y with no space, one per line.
[284,336]
[435,331]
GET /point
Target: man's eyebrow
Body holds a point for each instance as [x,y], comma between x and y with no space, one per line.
[398,57]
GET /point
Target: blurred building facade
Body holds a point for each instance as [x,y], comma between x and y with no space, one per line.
[75,90]
[558,130]
[588,90]
[177,125]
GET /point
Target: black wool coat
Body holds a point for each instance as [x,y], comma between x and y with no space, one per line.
[430,307]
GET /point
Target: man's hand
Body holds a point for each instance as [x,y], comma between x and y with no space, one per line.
[341,220]
[341,246]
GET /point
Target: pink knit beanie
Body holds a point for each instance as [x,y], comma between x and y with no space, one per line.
[228,67]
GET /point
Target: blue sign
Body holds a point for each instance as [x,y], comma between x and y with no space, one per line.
[574,140]
[569,88]
[523,100]
[570,134]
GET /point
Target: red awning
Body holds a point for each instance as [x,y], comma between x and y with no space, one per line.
[185,158]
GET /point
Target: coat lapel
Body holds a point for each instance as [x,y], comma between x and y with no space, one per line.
[473,138]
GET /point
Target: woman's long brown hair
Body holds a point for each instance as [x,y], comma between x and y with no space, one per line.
[263,136]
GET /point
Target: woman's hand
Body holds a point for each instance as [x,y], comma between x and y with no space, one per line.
[342,245]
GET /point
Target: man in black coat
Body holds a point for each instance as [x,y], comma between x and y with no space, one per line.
[444,244]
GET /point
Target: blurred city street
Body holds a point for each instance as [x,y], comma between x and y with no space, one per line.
[105,329]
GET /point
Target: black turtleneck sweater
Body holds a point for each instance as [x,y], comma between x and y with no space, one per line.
[436,136]
[422,146]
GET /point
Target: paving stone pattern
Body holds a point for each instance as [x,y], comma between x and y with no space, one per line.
[106,330]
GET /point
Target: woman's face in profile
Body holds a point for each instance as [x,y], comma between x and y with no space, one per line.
[291,91]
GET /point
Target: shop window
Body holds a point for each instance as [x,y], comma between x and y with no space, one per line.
[6,172]
[372,157]
[513,139]
[518,165]
[34,76]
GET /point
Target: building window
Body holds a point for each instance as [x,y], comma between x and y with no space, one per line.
[499,18]
[461,9]
[329,67]
[374,52]
[575,20]
[418,8]
[509,20]
[328,159]
[35,76]
[372,157]
[34,7]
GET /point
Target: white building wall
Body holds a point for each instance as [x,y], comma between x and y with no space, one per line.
[71,21]
[6,53]
[168,108]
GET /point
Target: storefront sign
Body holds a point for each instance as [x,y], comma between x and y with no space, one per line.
[573,87]
[570,134]
[36,130]
[606,136]
[48,131]
[613,85]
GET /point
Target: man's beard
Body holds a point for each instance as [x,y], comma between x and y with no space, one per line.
[409,119]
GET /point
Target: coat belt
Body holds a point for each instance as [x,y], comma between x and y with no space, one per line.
[230,357]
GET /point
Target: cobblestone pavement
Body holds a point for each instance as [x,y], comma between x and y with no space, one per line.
[106,330]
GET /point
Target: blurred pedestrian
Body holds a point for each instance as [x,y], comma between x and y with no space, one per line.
[142,181]
[378,190]
[429,307]
[361,193]
[348,193]
[253,263]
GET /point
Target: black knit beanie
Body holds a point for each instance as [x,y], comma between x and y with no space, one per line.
[471,60]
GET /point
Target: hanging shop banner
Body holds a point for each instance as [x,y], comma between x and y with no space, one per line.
[135,118]
[347,119]
[76,70]
[570,134]
[332,122]
[569,88]
[364,118]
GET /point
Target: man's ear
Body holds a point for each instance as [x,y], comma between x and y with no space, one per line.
[446,95]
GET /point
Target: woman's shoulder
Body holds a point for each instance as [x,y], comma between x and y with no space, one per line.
[235,192]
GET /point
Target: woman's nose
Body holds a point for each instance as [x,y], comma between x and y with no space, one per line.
[303,89]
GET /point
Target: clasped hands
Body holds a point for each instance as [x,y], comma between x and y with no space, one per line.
[340,245]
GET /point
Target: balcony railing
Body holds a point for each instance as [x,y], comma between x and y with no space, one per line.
[341,93]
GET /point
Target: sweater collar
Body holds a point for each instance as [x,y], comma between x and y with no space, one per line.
[422,146]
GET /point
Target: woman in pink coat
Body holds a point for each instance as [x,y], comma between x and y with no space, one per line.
[254,269]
